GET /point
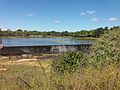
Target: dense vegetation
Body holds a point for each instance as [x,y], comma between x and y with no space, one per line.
[97,69]
[67,63]
[82,33]
[105,51]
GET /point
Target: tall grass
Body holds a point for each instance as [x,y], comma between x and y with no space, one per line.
[24,77]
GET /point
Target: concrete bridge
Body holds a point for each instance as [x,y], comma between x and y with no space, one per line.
[19,50]
[1,46]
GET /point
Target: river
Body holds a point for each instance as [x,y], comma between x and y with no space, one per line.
[42,41]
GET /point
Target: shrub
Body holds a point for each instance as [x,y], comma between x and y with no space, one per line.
[106,50]
[67,63]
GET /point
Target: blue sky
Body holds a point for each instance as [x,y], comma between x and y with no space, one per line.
[59,15]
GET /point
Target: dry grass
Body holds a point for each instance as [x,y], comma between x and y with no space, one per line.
[22,74]
[37,75]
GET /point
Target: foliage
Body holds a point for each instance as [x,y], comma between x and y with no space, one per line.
[82,33]
[106,50]
[67,63]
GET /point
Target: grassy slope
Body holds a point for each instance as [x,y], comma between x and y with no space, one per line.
[31,75]
[23,75]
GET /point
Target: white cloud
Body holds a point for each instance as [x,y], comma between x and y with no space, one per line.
[4,29]
[95,19]
[30,14]
[112,19]
[87,12]
[56,21]
[90,12]
[82,13]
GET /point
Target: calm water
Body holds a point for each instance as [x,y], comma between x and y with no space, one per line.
[41,41]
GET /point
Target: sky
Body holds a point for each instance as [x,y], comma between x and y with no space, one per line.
[59,15]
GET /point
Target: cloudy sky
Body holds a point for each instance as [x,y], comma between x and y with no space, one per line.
[59,15]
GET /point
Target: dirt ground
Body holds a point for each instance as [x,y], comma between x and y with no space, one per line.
[31,61]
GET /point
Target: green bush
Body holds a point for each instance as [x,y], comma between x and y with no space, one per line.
[68,62]
[106,50]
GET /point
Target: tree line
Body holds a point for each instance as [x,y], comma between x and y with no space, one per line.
[82,33]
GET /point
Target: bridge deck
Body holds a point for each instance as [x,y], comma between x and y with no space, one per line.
[12,50]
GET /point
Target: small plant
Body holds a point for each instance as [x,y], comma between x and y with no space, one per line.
[67,63]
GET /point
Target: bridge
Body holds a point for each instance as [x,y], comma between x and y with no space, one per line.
[1,45]
[19,50]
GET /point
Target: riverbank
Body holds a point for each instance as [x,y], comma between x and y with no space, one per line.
[77,38]
[86,38]
[37,37]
